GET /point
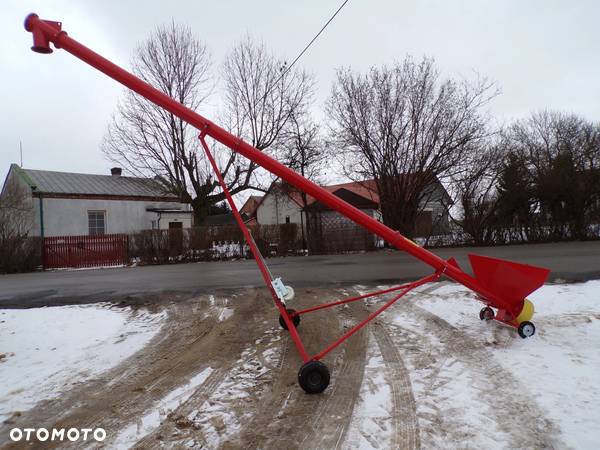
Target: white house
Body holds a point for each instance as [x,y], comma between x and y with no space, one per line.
[75,204]
[284,204]
[280,205]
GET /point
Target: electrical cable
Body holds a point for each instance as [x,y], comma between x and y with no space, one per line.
[288,68]
[312,40]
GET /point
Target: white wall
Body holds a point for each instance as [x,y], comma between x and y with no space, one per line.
[165,218]
[69,217]
[274,209]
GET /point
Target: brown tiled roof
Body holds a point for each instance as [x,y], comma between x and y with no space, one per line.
[251,204]
[366,189]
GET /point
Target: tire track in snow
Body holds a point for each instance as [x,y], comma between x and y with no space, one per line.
[191,340]
[202,394]
[405,434]
[290,418]
[332,419]
[267,403]
[515,412]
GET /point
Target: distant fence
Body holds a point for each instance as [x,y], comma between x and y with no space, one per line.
[25,254]
[334,233]
[212,243]
[85,251]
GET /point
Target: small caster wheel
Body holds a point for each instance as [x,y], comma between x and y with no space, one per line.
[526,329]
[313,377]
[295,319]
[486,314]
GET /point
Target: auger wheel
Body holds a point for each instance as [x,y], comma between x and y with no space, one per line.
[526,329]
[313,377]
[487,314]
[295,319]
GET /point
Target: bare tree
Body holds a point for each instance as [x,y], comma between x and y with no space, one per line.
[18,252]
[303,150]
[16,211]
[261,96]
[405,127]
[149,141]
[562,152]
[477,190]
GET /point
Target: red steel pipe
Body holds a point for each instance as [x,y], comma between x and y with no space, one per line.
[48,31]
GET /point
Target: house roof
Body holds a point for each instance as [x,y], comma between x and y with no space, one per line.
[366,189]
[251,204]
[66,183]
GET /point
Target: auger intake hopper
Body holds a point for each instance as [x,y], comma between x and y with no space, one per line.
[511,282]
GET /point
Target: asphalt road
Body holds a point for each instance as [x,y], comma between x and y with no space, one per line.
[574,261]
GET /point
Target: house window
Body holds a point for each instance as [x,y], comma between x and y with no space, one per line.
[287,219]
[154,224]
[96,222]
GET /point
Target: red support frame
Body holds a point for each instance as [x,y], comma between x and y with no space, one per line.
[288,318]
[405,289]
[499,283]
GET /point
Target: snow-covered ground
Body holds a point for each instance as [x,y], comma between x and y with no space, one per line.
[153,418]
[475,384]
[372,417]
[558,369]
[47,350]
[218,417]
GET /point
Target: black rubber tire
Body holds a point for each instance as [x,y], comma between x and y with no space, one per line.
[295,319]
[313,377]
[526,329]
[487,314]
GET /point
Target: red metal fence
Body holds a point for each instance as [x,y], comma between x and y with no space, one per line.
[85,251]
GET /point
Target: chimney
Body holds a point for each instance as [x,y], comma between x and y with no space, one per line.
[116,171]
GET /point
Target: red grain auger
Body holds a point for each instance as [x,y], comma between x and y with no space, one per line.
[499,284]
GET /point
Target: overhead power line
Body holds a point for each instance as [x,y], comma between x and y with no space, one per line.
[288,68]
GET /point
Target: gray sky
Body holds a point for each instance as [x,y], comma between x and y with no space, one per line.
[542,54]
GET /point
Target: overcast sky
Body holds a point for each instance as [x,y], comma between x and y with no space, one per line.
[542,54]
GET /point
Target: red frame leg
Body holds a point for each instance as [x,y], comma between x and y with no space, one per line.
[264,270]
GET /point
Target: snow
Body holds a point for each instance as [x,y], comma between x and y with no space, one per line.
[558,367]
[562,365]
[217,417]
[224,313]
[47,350]
[371,421]
[153,418]
[79,269]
